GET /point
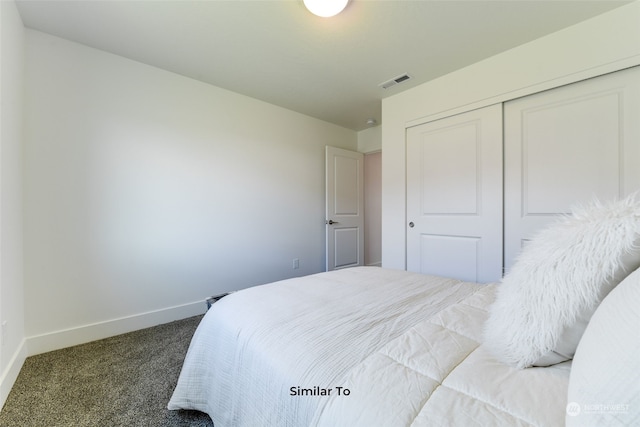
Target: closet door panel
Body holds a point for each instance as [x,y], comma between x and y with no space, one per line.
[566,146]
[563,160]
[454,196]
[450,171]
[444,255]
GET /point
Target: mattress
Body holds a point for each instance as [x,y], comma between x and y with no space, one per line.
[363,346]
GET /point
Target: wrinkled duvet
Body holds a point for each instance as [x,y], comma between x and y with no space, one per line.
[363,346]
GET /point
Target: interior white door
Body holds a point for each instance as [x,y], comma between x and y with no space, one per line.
[454,196]
[565,147]
[344,208]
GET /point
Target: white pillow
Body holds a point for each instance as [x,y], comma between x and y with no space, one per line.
[604,387]
[546,300]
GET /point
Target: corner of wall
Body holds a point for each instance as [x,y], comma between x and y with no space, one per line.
[10,375]
[13,348]
[370,140]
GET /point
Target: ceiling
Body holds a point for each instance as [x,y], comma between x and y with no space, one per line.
[278,52]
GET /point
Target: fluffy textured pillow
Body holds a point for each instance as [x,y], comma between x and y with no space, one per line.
[604,389]
[544,303]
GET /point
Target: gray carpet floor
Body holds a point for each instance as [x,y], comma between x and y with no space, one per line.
[125,380]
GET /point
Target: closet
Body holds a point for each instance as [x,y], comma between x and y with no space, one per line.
[481,183]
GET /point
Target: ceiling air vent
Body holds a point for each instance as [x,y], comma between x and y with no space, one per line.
[394,81]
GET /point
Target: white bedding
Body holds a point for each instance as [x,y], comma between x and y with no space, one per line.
[405,345]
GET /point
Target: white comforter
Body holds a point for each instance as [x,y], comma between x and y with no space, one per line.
[404,346]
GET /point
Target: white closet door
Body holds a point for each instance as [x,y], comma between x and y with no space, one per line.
[565,147]
[454,196]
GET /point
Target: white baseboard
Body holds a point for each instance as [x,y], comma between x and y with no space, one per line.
[375,264]
[10,374]
[83,334]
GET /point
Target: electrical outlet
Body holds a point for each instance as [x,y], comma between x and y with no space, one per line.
[296,263]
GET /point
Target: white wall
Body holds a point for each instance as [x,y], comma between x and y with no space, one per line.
[370,140]
[12,348]
[373,209]
[146,192]
[603,44]
[370,143]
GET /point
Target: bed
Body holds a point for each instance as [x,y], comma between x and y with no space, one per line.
[555,342]
[362,346]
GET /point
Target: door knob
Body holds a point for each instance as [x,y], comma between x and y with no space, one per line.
[411,224]
[331,222]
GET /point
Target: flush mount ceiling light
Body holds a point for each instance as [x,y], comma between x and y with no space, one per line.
[325,8]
